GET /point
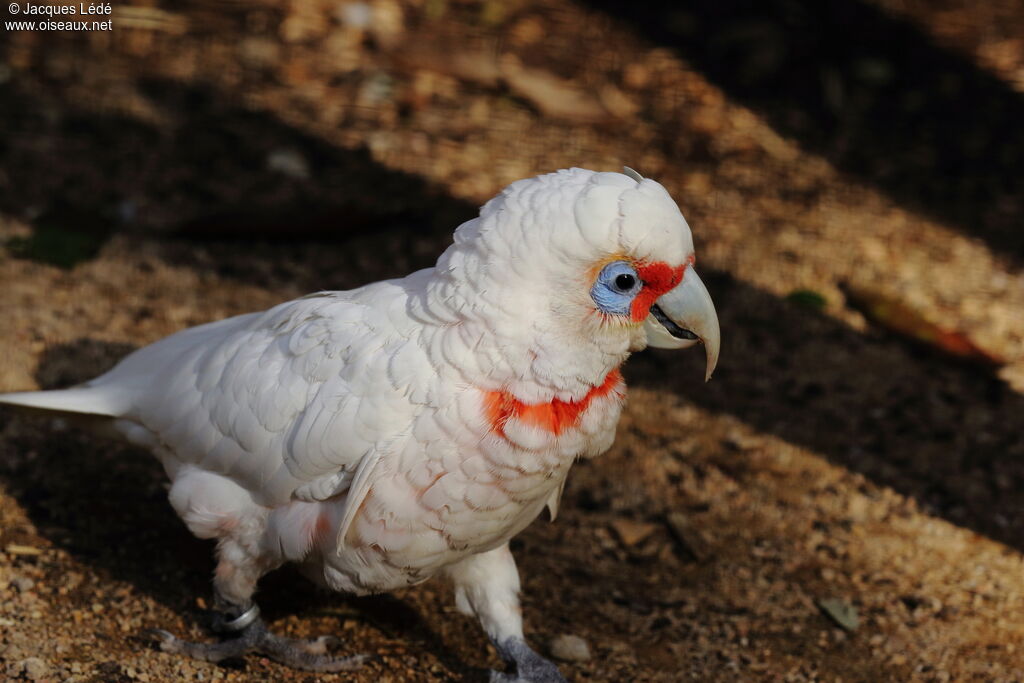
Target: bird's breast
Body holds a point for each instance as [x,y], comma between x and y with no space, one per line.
[462,497]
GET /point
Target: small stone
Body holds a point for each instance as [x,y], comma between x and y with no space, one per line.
[23,584]
[288,162]
[34,668]
[11,652]
[841,612]
[570,648]
[387,21]
[636,76]
[358,15]
[259,52]
[527,31]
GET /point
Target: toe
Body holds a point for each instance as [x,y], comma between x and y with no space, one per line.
[208,652]
[310,655]
[307,655]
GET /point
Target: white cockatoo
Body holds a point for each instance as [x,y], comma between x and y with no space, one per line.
[411,427]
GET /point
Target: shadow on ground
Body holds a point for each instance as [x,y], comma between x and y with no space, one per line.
[213,175]
[869,92]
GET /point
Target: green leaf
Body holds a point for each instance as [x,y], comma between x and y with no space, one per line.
[53,242]
[807,298]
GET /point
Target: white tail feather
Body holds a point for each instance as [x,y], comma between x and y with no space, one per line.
[78,400]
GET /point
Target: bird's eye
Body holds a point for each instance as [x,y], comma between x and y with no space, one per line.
[616,287]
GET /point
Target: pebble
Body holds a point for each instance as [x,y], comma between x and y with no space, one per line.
[259,52]
[23,583]
[34,668]
[570,648]
[355,14]
[289,162]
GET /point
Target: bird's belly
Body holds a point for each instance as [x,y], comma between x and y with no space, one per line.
[388,548]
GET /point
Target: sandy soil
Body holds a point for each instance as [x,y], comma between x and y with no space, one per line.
[207,159]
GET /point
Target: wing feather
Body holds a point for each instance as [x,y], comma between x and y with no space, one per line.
[293,403]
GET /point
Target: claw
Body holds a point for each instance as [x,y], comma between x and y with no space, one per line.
[318,646]
[165,639]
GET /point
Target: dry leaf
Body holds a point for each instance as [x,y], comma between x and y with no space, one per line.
[630,532]
[897,316]
[15,549]
[688,541]
[553,96]
[150,19]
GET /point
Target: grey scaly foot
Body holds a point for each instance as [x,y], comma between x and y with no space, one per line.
[530,667]
[253,636]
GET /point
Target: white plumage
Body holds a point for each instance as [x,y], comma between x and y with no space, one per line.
[382,435]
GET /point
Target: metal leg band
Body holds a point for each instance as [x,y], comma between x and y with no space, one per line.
[243,620]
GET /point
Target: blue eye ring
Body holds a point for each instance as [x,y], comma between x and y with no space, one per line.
[615,288]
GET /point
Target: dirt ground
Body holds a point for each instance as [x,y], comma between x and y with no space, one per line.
[205,159]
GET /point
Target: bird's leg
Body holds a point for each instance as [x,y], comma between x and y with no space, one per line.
[237,618]
[487,586]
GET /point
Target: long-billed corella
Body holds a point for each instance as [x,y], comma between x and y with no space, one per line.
[411,427]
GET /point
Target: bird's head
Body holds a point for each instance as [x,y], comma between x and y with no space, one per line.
[579,261]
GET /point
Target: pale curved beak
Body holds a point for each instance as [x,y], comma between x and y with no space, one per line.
[684,316]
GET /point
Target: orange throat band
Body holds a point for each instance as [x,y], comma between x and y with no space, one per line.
[555,416]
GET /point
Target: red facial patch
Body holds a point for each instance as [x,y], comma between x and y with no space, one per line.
[658,278]
[555,416]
